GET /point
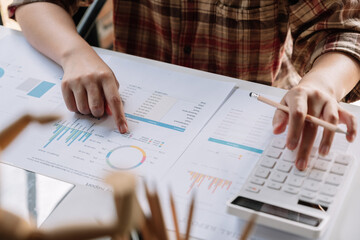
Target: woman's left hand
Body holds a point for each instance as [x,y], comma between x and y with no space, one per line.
[317,94]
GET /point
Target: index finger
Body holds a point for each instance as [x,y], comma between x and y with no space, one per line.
[297,103]
[351,124]
[113,99]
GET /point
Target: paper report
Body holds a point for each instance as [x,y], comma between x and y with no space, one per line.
[174,136]
[217,164]
[165,111]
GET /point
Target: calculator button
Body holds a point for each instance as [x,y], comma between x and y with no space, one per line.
[328,190]
[257,181]
[321,165]
[262,172]
[307,194]
[284,167]
[327,157]
[316,175]
[278,177]
[299,173]
[279,143]
[252,188]
[343,159]
[268,162]
[325,199]
[338,169]
[295,181]
[311,185]
[333,179]
[273,152]
[291,190]
[313,152]
[274,185]
[289,156]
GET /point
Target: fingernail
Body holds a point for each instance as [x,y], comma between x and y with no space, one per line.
[276,125]
[108,110]
[123,128]
[292,144]
[324,150]
[352,137]
[301,165]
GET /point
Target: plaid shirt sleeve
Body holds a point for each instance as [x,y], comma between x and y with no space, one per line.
[71,6]
[319,27]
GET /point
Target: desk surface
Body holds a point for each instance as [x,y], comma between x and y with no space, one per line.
[345,226]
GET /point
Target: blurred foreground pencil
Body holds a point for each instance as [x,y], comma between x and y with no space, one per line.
[174,215]
[190,216]
[248,228]
[9,134]
[308,117]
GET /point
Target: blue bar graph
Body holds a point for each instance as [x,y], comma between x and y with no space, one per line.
[41,89]
[160,124]
[236,145]
[1,72]
[73,135]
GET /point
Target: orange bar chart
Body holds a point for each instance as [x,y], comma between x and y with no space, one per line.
[211,183]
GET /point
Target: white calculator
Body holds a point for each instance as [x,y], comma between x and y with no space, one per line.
[299,202]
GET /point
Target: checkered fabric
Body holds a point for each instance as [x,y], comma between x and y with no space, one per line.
[242,39]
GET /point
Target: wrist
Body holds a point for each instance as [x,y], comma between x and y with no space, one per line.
[320,81]
[334,73]
[78,51]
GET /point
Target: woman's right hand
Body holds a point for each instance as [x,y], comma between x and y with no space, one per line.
[89,86]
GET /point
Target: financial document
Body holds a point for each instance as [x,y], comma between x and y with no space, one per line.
[217,164]
[164,110]
[174,139]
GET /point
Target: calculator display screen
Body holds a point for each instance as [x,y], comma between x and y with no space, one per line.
[277,211]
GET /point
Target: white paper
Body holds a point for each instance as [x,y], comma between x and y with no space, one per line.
[217,164]
[164,110]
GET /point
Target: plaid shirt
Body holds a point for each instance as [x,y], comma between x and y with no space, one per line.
[242,39]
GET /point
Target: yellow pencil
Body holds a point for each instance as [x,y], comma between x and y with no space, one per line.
[308,117]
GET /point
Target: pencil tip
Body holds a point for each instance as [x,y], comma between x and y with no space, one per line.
[254,95]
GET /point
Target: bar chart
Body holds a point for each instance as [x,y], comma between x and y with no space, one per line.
[212,184]
[70,132]
[35,87]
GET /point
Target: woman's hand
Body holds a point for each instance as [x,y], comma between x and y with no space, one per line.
[89,85]
[302,100]
[332,76]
